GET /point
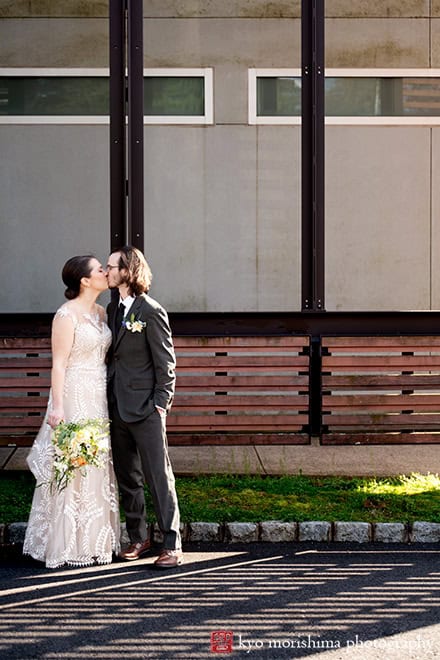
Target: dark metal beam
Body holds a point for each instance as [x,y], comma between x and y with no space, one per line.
[312,155]
[118,199]
[261,323]
[312,323]
[135,124]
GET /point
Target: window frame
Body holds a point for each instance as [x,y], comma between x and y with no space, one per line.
[255,73]
[204,72]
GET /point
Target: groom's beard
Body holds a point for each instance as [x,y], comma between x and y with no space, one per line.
[116,282]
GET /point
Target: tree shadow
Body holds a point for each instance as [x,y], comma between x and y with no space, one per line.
[277,600]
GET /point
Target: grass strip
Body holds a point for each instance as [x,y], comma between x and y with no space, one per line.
[235,498]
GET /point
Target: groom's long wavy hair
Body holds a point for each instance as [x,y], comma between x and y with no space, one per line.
[139,273]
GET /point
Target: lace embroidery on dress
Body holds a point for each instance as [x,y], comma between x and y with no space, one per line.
[80,525]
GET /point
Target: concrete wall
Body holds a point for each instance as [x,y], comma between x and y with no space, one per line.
[54,202]
[226,219]
[378,218]
[222,202]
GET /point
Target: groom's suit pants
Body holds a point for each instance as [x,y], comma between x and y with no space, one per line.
[140,450]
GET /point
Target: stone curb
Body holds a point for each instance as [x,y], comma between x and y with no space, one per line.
[271,531]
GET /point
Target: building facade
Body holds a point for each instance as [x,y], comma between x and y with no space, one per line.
[222,141]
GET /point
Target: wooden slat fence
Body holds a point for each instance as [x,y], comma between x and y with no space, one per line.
[380,390]
[230,390]
[241,390]
[25,365]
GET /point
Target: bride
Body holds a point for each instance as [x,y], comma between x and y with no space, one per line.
[78,525]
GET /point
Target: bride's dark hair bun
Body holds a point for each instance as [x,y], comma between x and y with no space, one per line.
[70,294]
[73,271]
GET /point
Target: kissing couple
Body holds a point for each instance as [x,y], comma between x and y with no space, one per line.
[118,365]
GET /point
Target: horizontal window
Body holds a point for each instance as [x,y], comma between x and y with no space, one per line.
[278,97]
[170,96]
[382,97]
[54,96]
[174,96]
[407,98]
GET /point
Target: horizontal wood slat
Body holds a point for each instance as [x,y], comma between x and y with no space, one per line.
[383,438]
[30,344]
[256,383]
[234,343]
[400,394]
[360,344]
[25,363]
[235,422]
[210,363]
[397,402]
[18,422]
[195,438]
[381,420]
[24,439]
[220,401]
[25,384]
[383,363]
[192,439]
[22,403]
[394,382]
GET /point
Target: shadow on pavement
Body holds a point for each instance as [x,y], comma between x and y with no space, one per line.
[229,600]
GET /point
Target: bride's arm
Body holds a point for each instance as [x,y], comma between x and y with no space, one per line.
[62,341]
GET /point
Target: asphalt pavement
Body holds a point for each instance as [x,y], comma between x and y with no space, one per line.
[297,600]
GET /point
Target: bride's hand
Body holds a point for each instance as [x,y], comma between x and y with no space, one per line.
[55,417]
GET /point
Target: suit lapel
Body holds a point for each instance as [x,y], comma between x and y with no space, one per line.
[133,310]
[112,318]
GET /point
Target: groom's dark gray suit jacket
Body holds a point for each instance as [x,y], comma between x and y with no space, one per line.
[141,365]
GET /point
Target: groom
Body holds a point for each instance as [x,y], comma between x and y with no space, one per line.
[141,375]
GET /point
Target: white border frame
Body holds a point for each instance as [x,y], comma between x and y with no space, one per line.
[205,73]
[207,118]
[253,74]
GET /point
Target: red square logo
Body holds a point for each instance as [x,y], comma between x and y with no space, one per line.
[221,641]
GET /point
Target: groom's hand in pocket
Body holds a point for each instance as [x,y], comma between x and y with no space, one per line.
[162,412]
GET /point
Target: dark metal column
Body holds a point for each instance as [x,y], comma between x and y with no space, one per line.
[312,155]
[118,199]
[135,124]
[126,123]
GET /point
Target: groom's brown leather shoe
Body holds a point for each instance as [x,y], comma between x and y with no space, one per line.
[135,550]
[169,559]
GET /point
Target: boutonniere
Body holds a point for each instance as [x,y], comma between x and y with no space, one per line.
[134,325]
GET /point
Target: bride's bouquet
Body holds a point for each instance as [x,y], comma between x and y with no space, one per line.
[78,444]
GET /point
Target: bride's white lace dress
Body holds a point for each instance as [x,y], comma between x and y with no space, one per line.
[80,524]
